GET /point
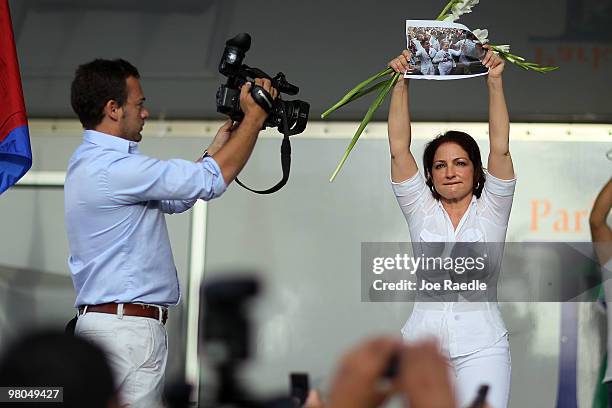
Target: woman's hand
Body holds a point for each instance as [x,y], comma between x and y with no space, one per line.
[494,62]
[401,64]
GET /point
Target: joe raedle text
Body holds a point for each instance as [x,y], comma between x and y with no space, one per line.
[429,277]
[446,284]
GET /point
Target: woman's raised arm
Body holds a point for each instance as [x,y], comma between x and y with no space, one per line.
[500,161]
[403,165]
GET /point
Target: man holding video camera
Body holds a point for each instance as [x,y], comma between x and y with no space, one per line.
[115,200]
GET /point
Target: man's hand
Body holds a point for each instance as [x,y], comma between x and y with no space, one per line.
[356,383]
[248,105]
[222,136]
[314,400]
[424,377]
[239,145]
[494,62]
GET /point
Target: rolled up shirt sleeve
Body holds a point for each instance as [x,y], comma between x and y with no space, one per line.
[412,195]
[415,201]
[176,206]
[178,183]
[179,206]
[219,185]
[499,187]
[497,197]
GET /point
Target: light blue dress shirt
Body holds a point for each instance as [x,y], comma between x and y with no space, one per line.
[115,200]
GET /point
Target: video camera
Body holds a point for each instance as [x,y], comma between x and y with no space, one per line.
[290,117]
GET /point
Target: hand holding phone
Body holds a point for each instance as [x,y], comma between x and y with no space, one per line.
[481,397]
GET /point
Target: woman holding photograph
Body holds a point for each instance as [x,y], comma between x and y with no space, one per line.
[456,200]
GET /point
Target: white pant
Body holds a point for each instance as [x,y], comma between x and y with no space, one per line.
[490,366]
[137,350]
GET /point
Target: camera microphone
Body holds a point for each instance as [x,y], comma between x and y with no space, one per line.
[241,41]
[233,55]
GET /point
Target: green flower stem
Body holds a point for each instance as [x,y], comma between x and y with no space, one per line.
[445,10]
[345,99]
[520,61]
[366,119]
[358,95]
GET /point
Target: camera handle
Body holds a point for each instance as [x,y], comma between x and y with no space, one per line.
[264,99]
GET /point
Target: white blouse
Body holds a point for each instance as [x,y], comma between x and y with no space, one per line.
[461,327]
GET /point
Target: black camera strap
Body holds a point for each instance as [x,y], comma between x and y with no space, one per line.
[285,161]
[285,164]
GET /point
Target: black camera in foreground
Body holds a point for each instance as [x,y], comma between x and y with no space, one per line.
[226,341]
[290,117]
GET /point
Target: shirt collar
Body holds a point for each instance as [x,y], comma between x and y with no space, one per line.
[472,203]
[110,141]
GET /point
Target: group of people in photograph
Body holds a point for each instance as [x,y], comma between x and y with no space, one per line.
[444,51]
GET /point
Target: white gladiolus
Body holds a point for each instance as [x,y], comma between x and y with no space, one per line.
[458,8]
[481,35]
[464,7]
[451,13]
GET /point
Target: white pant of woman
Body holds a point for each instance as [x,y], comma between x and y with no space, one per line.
[491,366]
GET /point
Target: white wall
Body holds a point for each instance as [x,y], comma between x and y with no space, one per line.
[305,242]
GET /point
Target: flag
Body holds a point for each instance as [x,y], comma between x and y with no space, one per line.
[15,151]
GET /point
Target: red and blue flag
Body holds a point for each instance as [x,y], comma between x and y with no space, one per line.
[15,150]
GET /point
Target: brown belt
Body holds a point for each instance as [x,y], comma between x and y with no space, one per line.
[129,309]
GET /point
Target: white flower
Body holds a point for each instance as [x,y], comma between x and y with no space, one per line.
[464,6]
[481,35]
[459,11]
[459,7]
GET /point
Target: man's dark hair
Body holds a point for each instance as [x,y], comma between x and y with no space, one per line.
[54,359]
[468,144]
[97,82]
